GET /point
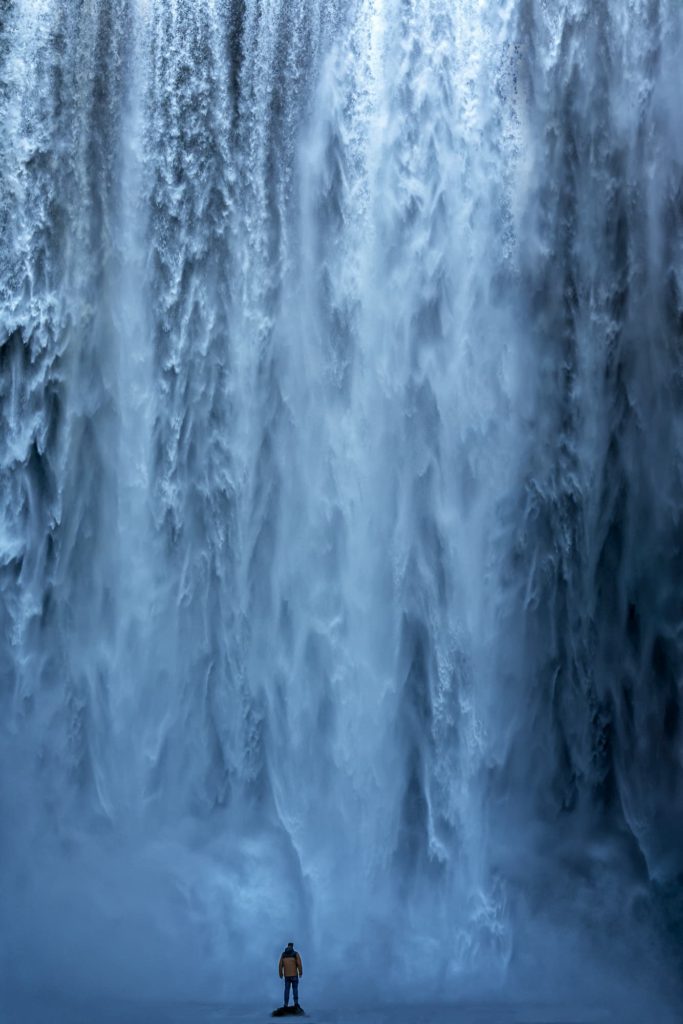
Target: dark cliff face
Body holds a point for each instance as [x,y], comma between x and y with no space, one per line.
[341,492]
[605,307]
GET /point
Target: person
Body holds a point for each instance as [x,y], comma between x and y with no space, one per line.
[291,968]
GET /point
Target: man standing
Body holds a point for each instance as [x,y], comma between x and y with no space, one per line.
[290,967]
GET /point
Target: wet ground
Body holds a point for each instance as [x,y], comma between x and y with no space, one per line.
[116,1012]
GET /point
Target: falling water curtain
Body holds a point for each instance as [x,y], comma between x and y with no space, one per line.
[341,491]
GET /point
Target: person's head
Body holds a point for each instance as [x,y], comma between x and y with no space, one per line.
[290,945]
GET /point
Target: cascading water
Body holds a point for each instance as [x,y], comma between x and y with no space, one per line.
[342,492]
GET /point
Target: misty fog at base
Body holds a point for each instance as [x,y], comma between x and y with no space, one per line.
[341,498]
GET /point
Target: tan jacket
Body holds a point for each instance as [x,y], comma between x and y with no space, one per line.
[290,966]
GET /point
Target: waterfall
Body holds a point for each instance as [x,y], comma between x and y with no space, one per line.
[341,462]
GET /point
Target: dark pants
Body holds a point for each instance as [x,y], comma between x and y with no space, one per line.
[294,982]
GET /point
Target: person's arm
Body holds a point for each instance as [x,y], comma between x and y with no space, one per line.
[280,967]
[299,966]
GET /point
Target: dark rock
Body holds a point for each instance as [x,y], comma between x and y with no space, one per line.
[288,1011]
